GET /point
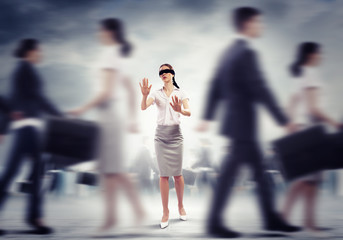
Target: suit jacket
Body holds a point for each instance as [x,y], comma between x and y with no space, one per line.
[5,114]
[240,83]
[27,94]
[4,106]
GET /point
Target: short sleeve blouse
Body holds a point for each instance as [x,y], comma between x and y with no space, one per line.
[165,113]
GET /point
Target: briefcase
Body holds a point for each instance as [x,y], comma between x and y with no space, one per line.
[171,183]
[335,159]
[24,186]
[189,176]
[303,152]
[61,162]
[87,178]
[71,138]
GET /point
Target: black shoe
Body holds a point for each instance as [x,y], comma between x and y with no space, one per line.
[218,231]
[43,230]
[280,225]
[39,229]
[2,232]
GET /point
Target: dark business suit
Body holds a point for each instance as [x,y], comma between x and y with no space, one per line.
[4,106]
[5,111]
[240,84]
[27,97]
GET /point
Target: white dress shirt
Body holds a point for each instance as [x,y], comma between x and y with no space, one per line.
[165,113]
[111,59]
[27,122]
[310,78]
[245,38]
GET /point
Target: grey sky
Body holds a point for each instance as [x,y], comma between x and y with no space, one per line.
[190,35]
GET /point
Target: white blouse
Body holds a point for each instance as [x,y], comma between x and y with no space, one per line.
[310,78]
[111,59]
[165,113]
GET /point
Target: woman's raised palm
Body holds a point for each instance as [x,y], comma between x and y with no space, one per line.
[176,105]
[145,88]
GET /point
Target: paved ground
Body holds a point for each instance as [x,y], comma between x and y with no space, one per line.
[78,217]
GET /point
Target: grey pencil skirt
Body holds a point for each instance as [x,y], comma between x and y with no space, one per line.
[169,150]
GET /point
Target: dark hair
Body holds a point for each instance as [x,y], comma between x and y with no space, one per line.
[170,67]
[304,50]
[242,15]
[25,46]
[116,26]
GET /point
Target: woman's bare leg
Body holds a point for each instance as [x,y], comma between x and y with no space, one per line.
[179,187]
[110,191]
[295,190]
[164,188]
[311,194]
[132,193]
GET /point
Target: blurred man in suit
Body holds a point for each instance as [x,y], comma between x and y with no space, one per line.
[5,112]
[239,82]
[27,99]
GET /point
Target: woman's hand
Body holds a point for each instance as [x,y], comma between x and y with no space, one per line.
[145,88]
[17,115]
[291,128]
[337,125]
[203,126]
[76,112]
[176,105]
[133,128]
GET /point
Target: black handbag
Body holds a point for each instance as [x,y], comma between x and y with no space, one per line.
[24,186]
[71,138]
[189,176]
[335,159]
[171,183]
[61,162]
[303,152]
[87,178]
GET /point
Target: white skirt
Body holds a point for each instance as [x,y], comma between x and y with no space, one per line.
[111,141]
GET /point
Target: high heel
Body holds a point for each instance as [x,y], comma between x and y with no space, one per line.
[183,217]
[103,232]
[108,229]
[164,224]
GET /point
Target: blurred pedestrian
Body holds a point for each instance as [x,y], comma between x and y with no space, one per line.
[28,100]
[240,83]
[306,109]
[113,79]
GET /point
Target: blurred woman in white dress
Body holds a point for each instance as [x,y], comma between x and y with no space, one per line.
[112,124]
[306,109]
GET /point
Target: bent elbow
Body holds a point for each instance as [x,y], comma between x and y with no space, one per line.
[314,112]
[105,96]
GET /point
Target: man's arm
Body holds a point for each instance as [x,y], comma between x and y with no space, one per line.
[5,115]
[214,96]
[31,88]
[258,87]
[212,100]
[217,91]
[4,106]
[48,106]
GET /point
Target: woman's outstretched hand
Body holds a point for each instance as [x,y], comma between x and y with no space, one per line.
[176,105]
[76,112]
[203,126]
[145,88]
